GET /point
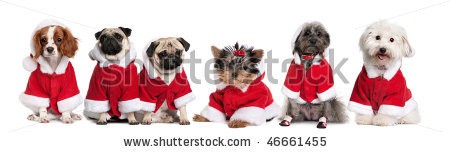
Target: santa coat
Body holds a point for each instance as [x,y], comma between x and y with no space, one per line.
[253,104]
[313,86]
[113,87]
[383,94]
[55,90]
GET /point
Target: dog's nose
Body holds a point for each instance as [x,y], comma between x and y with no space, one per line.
[312,41]
[382,50]
[50,49]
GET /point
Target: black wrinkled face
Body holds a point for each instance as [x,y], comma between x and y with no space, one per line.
[167,53]
[312,40]
[238,65]
[111,40]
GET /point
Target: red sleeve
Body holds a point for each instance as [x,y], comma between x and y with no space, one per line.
[69,87]
[325,84]
[131,89]
[360,100]
[148,101]
[184,93]
[216,100]
[96,91]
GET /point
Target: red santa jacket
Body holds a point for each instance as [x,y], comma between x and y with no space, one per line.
[387,94]
[313,86]
[56,90]
[113,87]
[253,104]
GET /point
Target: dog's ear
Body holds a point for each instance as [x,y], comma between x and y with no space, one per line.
[69,45]
[408,50]
[216,51]
[97,35]
[256,55]
[37,44]
[151,49]
[363,39]
[296,44]
[125,30]
[185,44]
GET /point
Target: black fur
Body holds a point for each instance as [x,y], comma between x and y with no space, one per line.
[185,44]
[151,49]
[97,35]
[126,31]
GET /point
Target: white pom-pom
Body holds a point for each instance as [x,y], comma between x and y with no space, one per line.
[29,64]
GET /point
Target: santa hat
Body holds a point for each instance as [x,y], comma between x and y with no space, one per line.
[28,63]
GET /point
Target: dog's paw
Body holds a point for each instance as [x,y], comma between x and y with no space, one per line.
[383,120]
[363,119]
[184,122]
[102,122]
[133,122]
[32,117]
[237,124]
[44,120]
[75,116]
[200,118]
[411,118]
[67,120]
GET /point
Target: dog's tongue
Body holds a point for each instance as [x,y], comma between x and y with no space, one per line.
[382,57]
[307,57]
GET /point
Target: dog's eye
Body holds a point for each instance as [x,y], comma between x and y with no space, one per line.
[102,38]
[59,40]
[307,33]
[319,33]
[392,39]
[378,37]
[43,40]
[118,37]
[162,54]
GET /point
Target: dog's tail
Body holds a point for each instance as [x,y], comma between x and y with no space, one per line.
[335,111]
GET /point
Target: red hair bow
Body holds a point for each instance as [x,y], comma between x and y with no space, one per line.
[239,53]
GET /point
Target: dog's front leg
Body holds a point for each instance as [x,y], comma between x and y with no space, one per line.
[183,116]
[43,118]
[132,119]
[147,120]
[66,118]
[384,120]
[363,119]
[102,120]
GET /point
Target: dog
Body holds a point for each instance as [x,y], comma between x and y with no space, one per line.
[309,85]
[241,96]
[52,90]
[387,101]
[113,92]
[164,88]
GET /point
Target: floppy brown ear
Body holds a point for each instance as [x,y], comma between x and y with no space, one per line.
[69,45]
[37,44]
[215,51]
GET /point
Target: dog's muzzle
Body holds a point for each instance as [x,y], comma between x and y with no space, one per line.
[111,46]
[171,62]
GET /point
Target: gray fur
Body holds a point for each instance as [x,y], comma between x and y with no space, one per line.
[333,109]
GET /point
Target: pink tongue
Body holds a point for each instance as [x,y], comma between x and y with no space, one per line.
[382,57]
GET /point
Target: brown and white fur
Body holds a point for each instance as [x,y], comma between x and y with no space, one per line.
[52,42]
[166,55]
[385,44]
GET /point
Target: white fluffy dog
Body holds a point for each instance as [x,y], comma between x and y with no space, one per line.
[380,95]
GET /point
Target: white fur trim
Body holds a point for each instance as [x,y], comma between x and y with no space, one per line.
[359,108]
[147,106]
[289,93]
[221,86]
[252,115]
[397,111]
[299,100]
[96,54]
[181,101]
[69,104]
[128,106]
[41,25]
[96,106]
[326,95]
[34,102]
[272,111]
[62,65]
[29,64]
[373,71]
[212,114]
[297,59]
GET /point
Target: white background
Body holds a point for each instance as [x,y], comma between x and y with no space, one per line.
[269,25]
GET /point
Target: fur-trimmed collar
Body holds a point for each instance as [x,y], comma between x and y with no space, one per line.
[96,54]
[391,70]
[30,65]
[316,61]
